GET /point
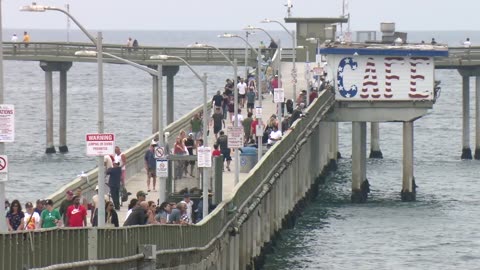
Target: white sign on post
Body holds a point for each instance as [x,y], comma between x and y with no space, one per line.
[235,137]
[259,131]
[278,95]
[3,168]
[204,157]
[162,168]
[7,123]
[160,152]
[100,144]
[258,112]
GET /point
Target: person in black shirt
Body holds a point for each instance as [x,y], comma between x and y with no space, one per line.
[114,183]
[217,100]
[229,87]
[272,45]
[138,215]
[190,144]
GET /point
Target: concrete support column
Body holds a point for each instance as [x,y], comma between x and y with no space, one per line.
[170,72]
[335,138]
[408,183]
[63,148]
[170,99]
[50,148]
[466,151]
[360,186]
[154,104]
[477,117]
[375,151]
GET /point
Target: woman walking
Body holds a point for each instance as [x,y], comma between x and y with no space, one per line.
[15,217]
[50,217]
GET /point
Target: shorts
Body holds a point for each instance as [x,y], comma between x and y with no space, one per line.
[250,105]
[226,154]
[152,172]
[197,135]
[241,96]
[216,129]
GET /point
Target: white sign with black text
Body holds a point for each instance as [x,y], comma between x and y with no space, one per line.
[100,144]
[7,123]
[162,168]
[204,157]
[278,95]
[235,137]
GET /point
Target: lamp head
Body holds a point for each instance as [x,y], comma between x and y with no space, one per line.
[159,57]
[34,8]
[86,53]
[266,21]
[198,45]
[250,28]
[227,35]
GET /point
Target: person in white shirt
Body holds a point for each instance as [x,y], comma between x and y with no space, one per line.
[467,43]
[31,218]
[189,204]
[240,118]
[275,135]
[122,159]
[14,38]
[242,91]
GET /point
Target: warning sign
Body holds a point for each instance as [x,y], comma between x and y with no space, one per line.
[3,168]
[7,123]
[278,95]
[162,168]
[235,137]
[100,144]
[204,157]
[258,112]
[160,152]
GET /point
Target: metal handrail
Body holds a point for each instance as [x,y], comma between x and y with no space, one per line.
[63,266]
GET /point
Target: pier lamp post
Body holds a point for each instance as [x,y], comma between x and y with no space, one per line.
[235,91]
[3,221]
[98,43]
[203,79]
[260,97]
[253,28]
[294,45]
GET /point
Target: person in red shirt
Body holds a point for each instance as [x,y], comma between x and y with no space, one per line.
[216,152]
[76,214]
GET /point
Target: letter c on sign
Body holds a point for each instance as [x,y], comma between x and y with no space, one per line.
[347,61]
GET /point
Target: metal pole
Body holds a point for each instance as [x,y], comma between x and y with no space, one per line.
[260,97]
[246,55]
[205,144]
[162,181]
[279,105]
[294,69]
[68,23]
[235,90]
[101,168]
[308,76]
[3,221]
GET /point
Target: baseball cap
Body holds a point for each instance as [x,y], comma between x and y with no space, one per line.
[96,188]
[28,205]
[69,192]
[141,193]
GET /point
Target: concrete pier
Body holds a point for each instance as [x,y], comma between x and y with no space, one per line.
[360,184]
[466,151]
[375,151]
[170,72]
[408,184]
[48,68]
[50,148]
[62,146]
[477,117]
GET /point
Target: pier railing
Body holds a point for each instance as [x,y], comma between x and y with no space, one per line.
[63,51]
[273,187]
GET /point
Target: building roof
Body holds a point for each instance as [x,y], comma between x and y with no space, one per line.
[316,20]
[383,49]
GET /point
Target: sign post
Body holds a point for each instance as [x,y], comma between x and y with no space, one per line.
[3,168]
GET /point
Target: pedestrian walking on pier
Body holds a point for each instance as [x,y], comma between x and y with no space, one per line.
[32,218]
[76,214]
[467,43]
[26,39]
[15,217]
[217,119]
[50,217]
[135,45]
[129,44]
[242,91]
[222,141]
[114,183]
[122,159]
[65,204]
[151,165]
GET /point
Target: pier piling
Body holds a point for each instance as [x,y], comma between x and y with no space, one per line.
[408,184]
[477,117]
[375,151]
[50,149]
[359,163]
[466,151]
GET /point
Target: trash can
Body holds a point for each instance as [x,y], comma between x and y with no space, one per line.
[248,158]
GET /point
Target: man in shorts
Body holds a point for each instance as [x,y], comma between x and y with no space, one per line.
[250,100]
[151,165]
[242,91]
[217,119]
[222,141]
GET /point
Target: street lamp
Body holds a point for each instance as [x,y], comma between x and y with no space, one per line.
[294,42]
[260,97]
[253,28]
[235,91]
[203,79]
[3,221]
[159,75]
[98,42]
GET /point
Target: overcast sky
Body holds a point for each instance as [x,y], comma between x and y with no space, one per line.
[234,15]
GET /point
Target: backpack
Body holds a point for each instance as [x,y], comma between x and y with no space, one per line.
[124,193]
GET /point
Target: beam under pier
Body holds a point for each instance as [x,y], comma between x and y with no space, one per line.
[375,151]
[360,185]
[466,151]
[477,117]
[408,193]
[170,72]
[50,148]
[63,148]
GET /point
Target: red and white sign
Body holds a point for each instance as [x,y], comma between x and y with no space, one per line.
[100,144]
[7,123]
[235,137]
[3,168]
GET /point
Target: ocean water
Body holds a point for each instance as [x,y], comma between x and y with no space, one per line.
[439,230]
